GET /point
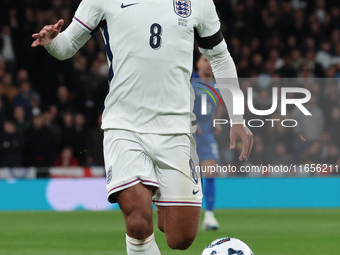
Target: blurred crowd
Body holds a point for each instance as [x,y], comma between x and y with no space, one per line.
[50,111]
[278,44]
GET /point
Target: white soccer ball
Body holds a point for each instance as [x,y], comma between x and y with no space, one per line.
[227,246]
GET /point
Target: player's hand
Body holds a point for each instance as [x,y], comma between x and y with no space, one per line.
[47,34]
[240,132]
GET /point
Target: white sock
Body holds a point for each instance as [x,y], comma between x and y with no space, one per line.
[208,214]
[146,246]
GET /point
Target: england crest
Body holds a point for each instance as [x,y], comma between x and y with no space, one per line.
[182,8]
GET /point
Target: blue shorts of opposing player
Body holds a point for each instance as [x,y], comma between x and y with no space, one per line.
[207,147]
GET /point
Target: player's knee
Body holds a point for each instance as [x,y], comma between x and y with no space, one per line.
[180,242]
[139,227]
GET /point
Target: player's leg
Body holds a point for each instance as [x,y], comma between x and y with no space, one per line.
[136,205]
[160,217]
[179,197]
[209,221]
[180,224]
[178,203]
[130,182]
[207,150]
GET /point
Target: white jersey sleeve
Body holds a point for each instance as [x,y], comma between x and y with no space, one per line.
[67,43]
[210,23]
[89,14]
[85,22]
[213,46]
[224,71]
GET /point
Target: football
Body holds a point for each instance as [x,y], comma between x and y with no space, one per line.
[227,246]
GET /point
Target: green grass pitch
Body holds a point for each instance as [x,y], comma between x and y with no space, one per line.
[266,231]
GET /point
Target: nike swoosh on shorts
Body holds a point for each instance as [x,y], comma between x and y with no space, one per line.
[195,192]
[124,6]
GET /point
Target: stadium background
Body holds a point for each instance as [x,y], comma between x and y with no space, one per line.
[50,116]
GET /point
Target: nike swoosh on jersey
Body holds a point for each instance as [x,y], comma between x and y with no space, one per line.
[124,6]
[195,192]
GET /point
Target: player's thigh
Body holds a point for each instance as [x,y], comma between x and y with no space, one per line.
[180,224]
[136,205]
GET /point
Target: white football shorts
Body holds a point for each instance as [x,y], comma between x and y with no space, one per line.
[167,162]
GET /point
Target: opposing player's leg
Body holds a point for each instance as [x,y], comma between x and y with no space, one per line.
[207,150]
[136,205]
[179,223]
[209,221]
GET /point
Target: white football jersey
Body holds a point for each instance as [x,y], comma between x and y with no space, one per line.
[149,46]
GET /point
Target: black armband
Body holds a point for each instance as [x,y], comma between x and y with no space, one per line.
[210,41]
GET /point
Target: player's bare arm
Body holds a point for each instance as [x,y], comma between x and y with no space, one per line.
[47,34]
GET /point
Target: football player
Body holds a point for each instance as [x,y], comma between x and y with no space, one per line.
[149,151]
[207,148]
